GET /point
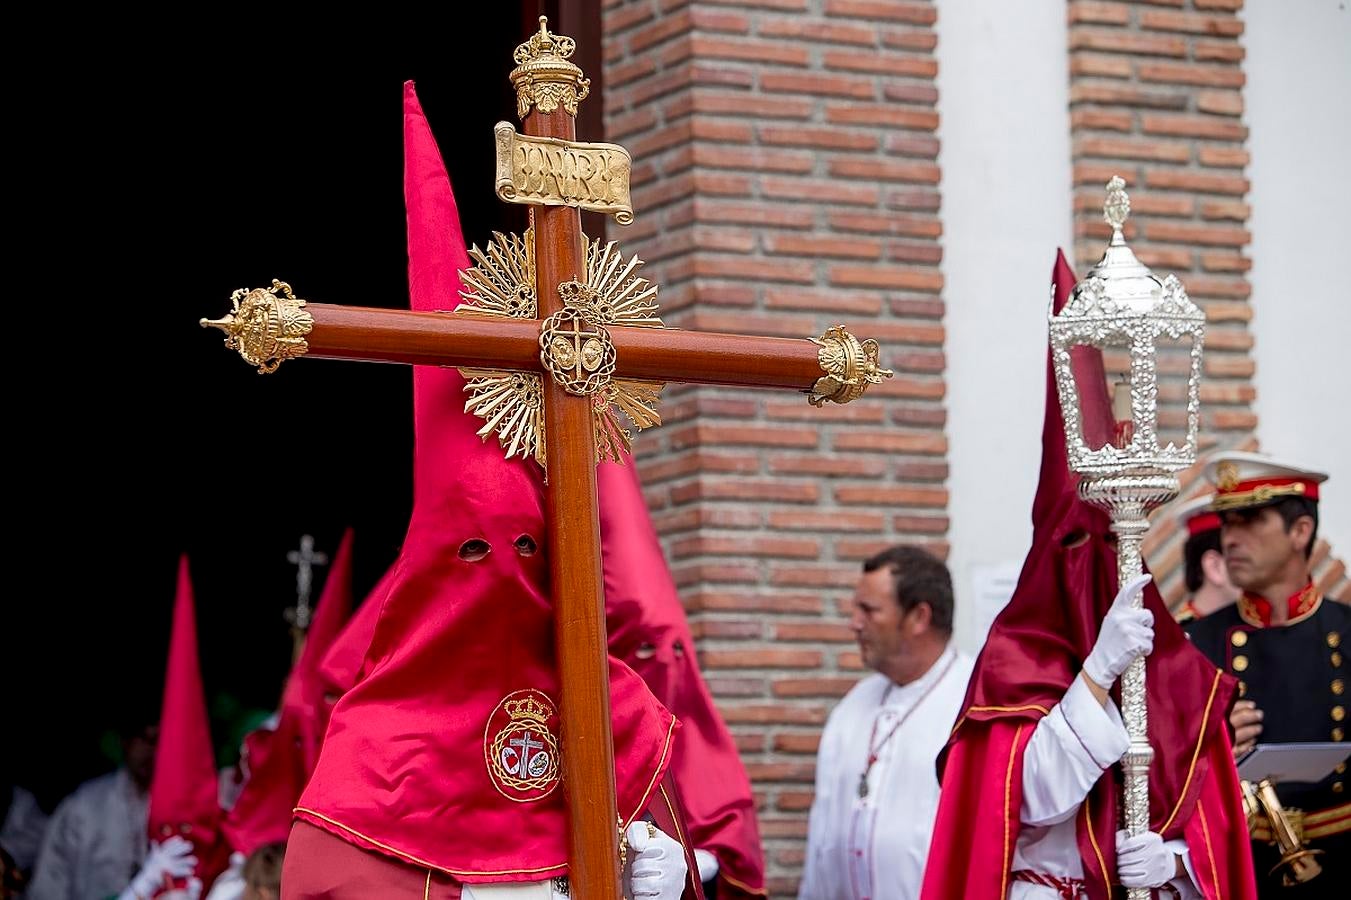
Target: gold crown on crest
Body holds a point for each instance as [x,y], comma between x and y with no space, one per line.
[528,708]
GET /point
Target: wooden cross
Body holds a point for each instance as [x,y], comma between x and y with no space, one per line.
[595,346]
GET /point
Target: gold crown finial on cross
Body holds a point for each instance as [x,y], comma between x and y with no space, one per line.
[542,43]
[544,77]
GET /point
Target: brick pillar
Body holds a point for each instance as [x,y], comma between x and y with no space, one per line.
[785,180]
[1155,96]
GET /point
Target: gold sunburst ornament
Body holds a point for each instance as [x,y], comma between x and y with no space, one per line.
[574,346]
[503,282]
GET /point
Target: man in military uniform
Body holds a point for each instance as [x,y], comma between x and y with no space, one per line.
[1208,585]
[1283,640]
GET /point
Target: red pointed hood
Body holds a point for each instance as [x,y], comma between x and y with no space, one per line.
[1039,641]
[183,796]
[342,665]
[647,629]
[1058,486]
[644,618]
[303,698]
[449,742]
[280,761]
[262,812]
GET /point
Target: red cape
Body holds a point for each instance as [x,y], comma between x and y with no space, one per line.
[646,624]
[977,824]
[1034,651]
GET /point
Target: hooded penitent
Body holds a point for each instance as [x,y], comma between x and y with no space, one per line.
[183,798]
[340,668]
[303,698]
[280,760]
[1034,651]
[446,753]
[647,629]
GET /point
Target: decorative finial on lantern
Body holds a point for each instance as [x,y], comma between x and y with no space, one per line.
[1119,278]
[1122,305]
[1117,207]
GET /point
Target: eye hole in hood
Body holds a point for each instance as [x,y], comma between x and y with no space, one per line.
[475,549]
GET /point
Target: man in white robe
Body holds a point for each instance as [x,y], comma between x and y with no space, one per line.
[876,786]
[96,840]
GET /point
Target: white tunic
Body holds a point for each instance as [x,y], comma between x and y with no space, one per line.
[874,847]
[1069,751]
[95,842]
[23,827]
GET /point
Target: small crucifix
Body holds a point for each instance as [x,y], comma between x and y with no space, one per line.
[304,559]
[557,336]
[524,745]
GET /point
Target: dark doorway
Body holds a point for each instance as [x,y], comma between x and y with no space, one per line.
[163,176]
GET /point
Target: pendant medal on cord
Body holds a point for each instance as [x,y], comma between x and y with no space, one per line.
[875,751]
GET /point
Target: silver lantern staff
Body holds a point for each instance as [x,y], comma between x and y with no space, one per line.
[1122,305]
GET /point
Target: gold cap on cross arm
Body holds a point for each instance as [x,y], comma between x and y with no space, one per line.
[850,365]
[544,77]
[266,325]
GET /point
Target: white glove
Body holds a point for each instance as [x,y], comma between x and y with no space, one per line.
[1126,633]
[171,858]
[229,885]
[658,868]
[1143,861]
[707,864]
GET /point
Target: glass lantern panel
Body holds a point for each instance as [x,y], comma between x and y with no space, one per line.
[1092,367]
[1173,361]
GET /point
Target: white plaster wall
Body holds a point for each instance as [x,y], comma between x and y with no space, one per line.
[1298,109]
[1003,88]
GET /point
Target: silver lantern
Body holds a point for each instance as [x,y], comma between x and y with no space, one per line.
[1124,310]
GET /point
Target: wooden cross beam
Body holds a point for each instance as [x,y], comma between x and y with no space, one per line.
[595,345]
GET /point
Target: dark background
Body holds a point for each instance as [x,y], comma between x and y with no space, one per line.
[151,179]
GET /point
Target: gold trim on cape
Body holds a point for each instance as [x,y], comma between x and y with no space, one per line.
[1029,708]
[1093,839]
[1196,753]
[462,873]
[1210,851]
[1008,788]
